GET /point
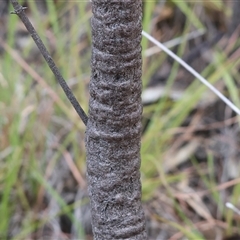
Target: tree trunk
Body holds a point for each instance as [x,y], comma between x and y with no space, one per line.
[114,127]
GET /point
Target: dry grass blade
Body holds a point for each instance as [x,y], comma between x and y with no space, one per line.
[77,175]
[191,70]
[174,42]
[26,67]
[205,192]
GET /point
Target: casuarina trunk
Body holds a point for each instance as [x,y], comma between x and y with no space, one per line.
[114,127]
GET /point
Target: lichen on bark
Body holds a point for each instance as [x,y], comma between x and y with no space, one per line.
[114,126]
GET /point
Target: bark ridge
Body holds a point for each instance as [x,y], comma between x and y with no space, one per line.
[114,126]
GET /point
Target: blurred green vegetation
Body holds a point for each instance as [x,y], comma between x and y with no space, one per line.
[37,123]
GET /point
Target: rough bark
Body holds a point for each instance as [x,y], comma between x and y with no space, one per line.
[114,126]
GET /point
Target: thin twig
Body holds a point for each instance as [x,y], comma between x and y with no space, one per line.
[193,72]
[19,10]
[231,206]
[174,42]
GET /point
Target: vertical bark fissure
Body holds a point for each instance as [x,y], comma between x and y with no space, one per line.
[114,127]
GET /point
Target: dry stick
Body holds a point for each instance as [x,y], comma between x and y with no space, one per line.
[193,72]
[19,10]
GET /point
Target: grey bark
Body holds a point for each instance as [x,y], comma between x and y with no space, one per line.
[114,127]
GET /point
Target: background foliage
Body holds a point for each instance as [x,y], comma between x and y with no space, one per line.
[190,140]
